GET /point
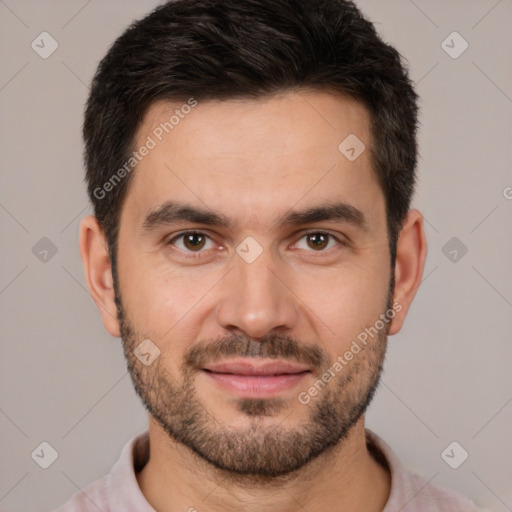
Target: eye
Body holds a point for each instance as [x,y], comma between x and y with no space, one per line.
[319,241]
[192,242]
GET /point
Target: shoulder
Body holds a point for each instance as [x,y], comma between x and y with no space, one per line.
[91,499]
[119,489]
[424,496]
[411,492]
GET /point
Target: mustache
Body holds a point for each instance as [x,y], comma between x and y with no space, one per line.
[272,346]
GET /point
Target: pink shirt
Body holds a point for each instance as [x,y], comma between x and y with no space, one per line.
[119,490]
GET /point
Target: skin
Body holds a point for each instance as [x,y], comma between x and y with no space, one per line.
[278,154]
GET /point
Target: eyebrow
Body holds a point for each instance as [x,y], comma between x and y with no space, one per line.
[172,212]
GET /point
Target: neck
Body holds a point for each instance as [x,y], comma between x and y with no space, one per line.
[346,478]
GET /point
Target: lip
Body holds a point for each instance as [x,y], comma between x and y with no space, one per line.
[256,379]
[255,367]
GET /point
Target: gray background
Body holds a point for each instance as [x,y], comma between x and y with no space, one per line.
[63,379]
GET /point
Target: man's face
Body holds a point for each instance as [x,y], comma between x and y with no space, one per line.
[249,316]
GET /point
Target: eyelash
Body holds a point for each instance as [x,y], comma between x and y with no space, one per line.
[192,254]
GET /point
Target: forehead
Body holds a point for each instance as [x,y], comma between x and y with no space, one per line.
[247,157]
[295,121]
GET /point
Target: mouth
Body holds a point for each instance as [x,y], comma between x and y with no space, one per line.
[250,378]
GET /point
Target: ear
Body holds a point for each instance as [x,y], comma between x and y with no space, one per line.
[98,272]
[410,262]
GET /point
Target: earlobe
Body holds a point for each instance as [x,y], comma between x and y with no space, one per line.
[410,262]
[98,272]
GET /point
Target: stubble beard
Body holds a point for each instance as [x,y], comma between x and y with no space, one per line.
[263,450]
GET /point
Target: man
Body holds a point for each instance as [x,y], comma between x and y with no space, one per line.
[251,165]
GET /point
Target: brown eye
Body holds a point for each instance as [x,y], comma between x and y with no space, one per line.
[317,241]
[192,242]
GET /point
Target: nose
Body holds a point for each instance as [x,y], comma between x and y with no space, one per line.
[256,298]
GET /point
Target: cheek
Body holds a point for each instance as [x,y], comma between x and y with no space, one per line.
[167,305]
[342,304]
